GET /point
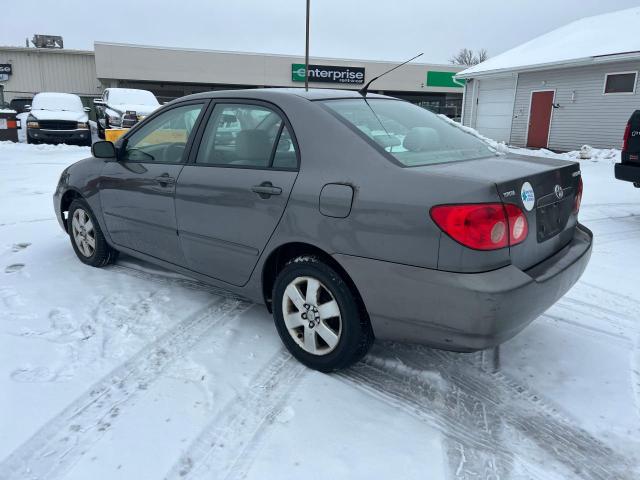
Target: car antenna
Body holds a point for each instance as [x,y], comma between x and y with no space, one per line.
[363,91]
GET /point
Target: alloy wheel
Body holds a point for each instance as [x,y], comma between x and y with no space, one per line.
[84,233]
[312,315]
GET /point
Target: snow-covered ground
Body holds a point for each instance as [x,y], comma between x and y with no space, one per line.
[133,372]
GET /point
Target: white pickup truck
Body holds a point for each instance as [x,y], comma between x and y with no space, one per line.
[123,108]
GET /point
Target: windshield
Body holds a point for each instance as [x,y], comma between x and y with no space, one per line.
[57,102]
[412,135]
[121,96]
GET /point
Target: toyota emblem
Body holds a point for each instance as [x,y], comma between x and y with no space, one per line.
[558,191]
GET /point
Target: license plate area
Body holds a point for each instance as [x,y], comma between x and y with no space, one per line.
[551,219]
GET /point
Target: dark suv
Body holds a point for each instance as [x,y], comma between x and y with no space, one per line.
[19,104]
[629,168]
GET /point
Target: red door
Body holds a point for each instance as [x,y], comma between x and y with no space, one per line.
[540,119]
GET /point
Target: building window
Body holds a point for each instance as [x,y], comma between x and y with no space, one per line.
[622,82]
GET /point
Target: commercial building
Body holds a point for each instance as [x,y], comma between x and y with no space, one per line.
[573,86]
[174,72]
[27,71]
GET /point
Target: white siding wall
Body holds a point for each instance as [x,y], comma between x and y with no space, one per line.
[494,107]
[467,101]
[38,70]
[589,118]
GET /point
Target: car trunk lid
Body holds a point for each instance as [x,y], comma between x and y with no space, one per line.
[545,190]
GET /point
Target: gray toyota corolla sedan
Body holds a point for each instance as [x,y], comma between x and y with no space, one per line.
[350,217]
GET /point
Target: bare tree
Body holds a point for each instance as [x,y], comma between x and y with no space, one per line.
[466,56]
[482,55]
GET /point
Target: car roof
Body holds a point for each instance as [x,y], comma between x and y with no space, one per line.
[274,93]
[56,95]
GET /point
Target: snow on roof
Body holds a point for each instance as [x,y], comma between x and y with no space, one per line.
[57,101]
[608,34]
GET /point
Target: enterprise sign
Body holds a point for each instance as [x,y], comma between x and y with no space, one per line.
[328,74]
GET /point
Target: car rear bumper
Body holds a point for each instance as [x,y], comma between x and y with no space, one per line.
[463,311]
[627,172]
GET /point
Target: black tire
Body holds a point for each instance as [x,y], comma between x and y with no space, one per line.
[356,335]
[102,254]
[636,184]
[31,141]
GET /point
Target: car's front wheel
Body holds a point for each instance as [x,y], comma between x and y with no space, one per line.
[318,317]
[86,237]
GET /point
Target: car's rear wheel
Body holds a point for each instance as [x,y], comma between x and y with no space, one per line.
[86,237]
[318,317]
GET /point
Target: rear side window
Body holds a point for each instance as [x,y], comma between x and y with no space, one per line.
[243,135]
[412,135]
[620,82]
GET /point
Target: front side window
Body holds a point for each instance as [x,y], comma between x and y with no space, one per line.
[164,138]
[246,135]
[620,82]
[412,135]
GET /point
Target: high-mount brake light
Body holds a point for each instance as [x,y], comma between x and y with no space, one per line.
[482,226]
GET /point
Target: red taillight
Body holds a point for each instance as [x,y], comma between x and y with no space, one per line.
[483,226]
[578,198]
[625,139]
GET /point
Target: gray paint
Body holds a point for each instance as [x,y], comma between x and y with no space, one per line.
[415,281]
[335,200]
[592,118]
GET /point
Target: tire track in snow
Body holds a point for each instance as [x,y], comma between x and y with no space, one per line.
[59,444]
[471,432]
[227,446]
[566,445]
[631,325]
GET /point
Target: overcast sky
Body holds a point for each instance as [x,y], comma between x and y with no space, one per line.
[394,30]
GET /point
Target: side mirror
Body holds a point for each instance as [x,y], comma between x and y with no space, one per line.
[99,102]
[27,108]
[87,109]
[103,149]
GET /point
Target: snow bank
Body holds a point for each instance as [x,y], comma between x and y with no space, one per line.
[29,148]
[586,153]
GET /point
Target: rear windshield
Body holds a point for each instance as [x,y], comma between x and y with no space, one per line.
[412,135]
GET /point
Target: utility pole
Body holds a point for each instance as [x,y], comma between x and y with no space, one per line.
[306,52]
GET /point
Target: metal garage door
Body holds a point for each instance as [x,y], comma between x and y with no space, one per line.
[495,107]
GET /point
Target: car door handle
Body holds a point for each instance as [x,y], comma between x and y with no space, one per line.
[165,180]
[266,189]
